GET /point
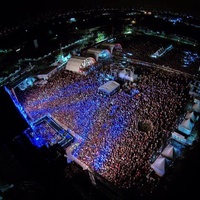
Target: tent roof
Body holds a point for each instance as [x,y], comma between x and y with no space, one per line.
[196,106]
[76,62]
[107,44]
[111,46]
[94,51]
[196,100]
[170,152]
[190,115]
[109,87]
[159,165]
[186,126]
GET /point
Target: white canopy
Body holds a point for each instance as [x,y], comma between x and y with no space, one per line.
[191,115]
[109,87]
[77,63]
[196,100]
[160,165]
[111,46]
[186,126]
[196,106]
[97,53]
[170,152]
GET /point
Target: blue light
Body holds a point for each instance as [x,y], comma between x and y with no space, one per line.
[82,111]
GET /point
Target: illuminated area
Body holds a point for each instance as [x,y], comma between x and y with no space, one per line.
[106,128]
[104,54]
[190,58]
[100,37]
[47,132]
[124,108]
[87,63]
[28,82]
[104,122]
[161,51]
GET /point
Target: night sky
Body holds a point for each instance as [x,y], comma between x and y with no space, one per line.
[22,8]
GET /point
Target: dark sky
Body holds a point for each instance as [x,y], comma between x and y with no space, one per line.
[20,8]
[37,4]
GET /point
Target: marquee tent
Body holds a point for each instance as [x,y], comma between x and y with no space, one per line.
[78,63]
[170,152]
[192,116]
[196,100]
[109,87]
[186,126]
[161,165]
[98,53]
[111,46]
[196,106]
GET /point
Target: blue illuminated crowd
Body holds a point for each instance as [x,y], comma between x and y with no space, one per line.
[113,146]
[112,142]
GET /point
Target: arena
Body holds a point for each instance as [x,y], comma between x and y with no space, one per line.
[124,138]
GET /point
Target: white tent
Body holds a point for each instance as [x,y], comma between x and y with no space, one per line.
[196,106]
[161,165]
[98,53]
[170,152]
[109,87]
[196,100]
[111,46]
[191,115]
[78,63]
[186,126]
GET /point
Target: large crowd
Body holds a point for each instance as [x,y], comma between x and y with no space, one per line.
[113,145]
